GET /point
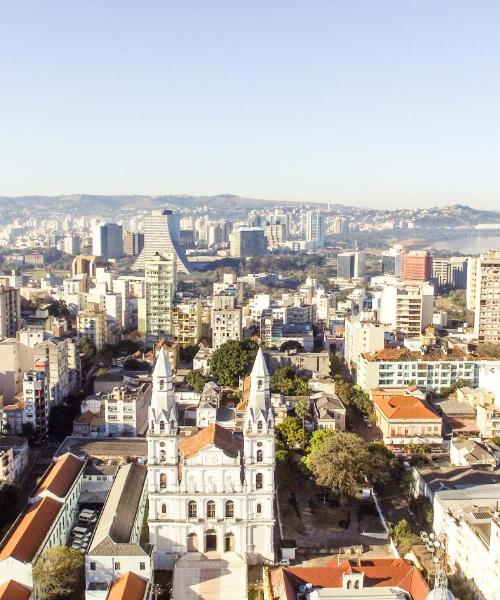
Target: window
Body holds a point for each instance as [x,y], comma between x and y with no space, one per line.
[117,566]
[162,426]
[259,426]
[259,509]
[229,509]
[163,509]
[163,481]
[163,456]
[142,566]
[192,509]
[259,455]
[211,509]
[258,481]
[92,566]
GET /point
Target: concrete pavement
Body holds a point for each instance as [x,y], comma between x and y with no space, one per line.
[210,576]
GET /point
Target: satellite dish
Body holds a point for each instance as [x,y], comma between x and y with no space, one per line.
[431,535]
[437,543]
[435,559]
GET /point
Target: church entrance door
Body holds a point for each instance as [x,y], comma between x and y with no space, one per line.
[210,541]
[229,542]
[192,542]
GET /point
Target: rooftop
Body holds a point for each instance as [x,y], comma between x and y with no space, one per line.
[213,435]
[128,587]
[105,448]
[406,355]
[12,590]
[404,407]
[31,530]
[61,476]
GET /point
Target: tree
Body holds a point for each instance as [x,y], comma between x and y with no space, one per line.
[302,409]
[291,345]
[133,364]
[404,536]
[286,382]
[291,433]
[335,365]
[59,309]
[59,574]
[233,360]
[9,504]
[87,347]
[195,380]
[340,462]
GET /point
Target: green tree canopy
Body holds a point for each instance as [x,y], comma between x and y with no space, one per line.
[87,347]
[286,382]
[195,380]
[291,433]
[233,360]
[340,462]
[59,574]
[9,504]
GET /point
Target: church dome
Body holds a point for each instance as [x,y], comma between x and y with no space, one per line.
[440,594]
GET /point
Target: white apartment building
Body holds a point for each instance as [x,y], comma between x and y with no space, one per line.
[407,307]
[226,325]
[399,367]
[469,519]
[91,323]
[14,455]
[126,410]
[55,356]
[487,298]
[36,399]
[362,336]
[155,318]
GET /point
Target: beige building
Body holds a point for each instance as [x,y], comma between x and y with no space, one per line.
[407,307]
[226,325]
[186,322]
[91,323]
[246,242]
[406,419]
[487,298]
[362,336]
[10,311]
[56,355]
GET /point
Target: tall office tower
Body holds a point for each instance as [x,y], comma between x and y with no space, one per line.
[487,304]
[391,261]
[407,307]
[338,225]
[155,309]
[470,291]
[72,244]
[247,242]
[313,227]
[107,240]
[10,311]
[450,271]
[133,243]
[417,265]
[350,265]
[275,234]
[162,235]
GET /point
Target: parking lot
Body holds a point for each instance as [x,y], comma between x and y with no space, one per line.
[82,531]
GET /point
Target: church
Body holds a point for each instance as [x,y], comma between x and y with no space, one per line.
[213,490]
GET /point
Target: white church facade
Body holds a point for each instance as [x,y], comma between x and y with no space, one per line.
[212,491]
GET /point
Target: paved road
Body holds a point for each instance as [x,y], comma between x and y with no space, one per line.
[210,577]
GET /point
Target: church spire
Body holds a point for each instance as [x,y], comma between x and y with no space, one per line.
[162,399]
[259,401]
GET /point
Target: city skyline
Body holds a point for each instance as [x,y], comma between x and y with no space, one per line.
[386,105]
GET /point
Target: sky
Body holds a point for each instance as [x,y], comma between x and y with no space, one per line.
[374,103]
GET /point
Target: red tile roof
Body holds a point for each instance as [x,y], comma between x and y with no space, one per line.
[245,394]
[31,530]
[384,572]
[61,476]
[212,435]
[404,407]
[11,590]
[128,587]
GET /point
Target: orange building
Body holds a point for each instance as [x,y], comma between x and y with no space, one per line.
[417,265]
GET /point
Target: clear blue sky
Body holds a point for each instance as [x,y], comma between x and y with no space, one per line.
[377,103]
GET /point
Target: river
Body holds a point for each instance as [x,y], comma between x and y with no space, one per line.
[469,244]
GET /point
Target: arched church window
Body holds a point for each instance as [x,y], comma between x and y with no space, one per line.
[259,455]
[211,509]
[162,384]
[163,481]
[163,509]
[356,585]
[229,509]
[258,509]
[162,426]
[258,481]
[259,426]
[192,509]
[163,456]
[260,384]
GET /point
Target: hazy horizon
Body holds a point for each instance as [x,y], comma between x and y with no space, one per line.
[383,104]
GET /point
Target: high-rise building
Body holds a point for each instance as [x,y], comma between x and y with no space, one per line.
[392,261]
[91,323]
[186,322]
[72,243]
[107,240]
[407,307]
[36,401]
[226,323]
[350,265]
[133,243]
[313,227]
[417,265]
[162,235]
[155,309]
[487,298]
[246,242]
[10,311]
